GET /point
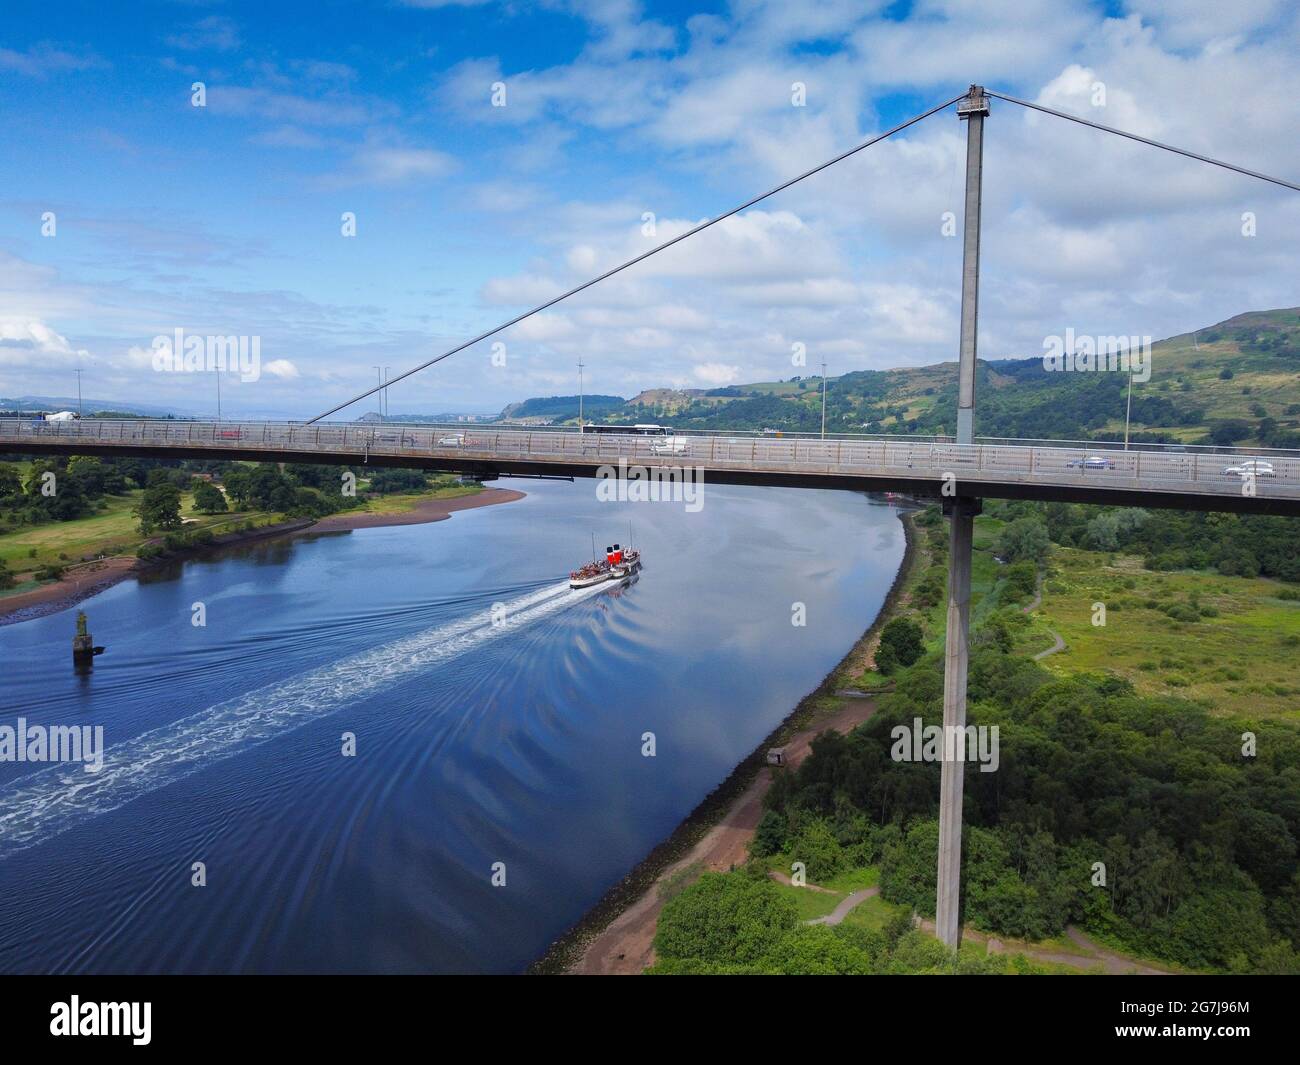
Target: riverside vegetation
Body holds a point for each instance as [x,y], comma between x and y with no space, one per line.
[1156,809]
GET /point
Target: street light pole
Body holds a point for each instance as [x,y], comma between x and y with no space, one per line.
[580,394]
[379,376]
[218,372]
[78,372]
[385,393]
[823,399]
[1128,410]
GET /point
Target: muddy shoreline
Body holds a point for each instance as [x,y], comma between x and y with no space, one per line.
[85,581]
[568,952]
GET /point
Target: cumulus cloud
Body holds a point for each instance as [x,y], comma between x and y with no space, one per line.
[32,343]
[715,374]
[281,368]
[859,264]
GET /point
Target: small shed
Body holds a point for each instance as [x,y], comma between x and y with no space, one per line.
[776,756]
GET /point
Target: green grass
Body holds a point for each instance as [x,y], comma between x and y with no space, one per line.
[1241,659]
[812,904]
[400,502]
[873,913]
[114,529]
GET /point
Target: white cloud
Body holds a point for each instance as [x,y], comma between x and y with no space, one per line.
[281,368]
[715,374]
[214,33]
[30,342]
[382,165]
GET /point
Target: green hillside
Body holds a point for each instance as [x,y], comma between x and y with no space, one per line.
[564,408]
[1234,382]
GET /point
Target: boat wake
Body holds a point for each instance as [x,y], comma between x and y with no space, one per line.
[40,805]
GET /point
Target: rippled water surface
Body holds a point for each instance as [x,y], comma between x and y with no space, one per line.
[498,718]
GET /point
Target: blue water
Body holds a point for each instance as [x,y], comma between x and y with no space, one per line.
[510,735]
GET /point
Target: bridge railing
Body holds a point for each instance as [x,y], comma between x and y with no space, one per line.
[1206,473]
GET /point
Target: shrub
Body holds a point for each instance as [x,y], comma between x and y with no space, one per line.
[902,643]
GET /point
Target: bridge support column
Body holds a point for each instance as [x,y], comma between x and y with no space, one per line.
[961,518]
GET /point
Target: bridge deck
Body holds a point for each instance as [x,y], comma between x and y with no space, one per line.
[1183,478]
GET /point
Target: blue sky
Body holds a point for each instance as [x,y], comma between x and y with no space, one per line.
[225,219]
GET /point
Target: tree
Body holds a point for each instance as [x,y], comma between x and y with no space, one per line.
[769,838]
[208,499]
[901,642]
[89,473]
[1024,538]
[239,486]
[11,485]
[726,919]
[160,507]
[1022,580]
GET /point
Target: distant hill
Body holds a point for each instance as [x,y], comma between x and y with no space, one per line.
[563,408]
[90,406]
[1236,381]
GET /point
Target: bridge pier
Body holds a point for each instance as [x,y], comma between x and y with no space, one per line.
[961,522]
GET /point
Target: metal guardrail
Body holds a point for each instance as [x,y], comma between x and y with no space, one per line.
[1169,470]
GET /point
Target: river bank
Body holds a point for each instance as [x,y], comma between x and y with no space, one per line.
[84,581]
[616,936]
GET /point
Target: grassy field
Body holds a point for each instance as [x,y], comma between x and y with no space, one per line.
[399,503]
[1239,656]
[111,531]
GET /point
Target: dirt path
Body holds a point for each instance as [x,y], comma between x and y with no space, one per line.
[1100,957]
[626,947]
[846,906]
[1059,645]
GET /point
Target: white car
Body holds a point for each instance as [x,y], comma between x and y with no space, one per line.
[452,440]
[1250,468]
[671,445]
[63,416]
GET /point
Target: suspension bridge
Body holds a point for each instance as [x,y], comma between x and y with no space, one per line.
[960,472]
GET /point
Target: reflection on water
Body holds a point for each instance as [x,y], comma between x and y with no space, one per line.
[496,715]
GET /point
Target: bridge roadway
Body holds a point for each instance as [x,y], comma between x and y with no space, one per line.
[1189,478]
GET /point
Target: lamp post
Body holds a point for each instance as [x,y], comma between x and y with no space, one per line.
[78,372]
[1128,409]
[580,395]
[823,399]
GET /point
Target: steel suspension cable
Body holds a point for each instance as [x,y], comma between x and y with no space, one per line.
[642,257]
[1143,140]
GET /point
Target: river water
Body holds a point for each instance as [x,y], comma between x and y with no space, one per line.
[499,724]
